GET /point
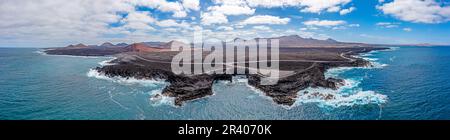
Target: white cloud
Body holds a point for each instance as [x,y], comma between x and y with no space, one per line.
[138,26]
[273,3]
[339,28]
[138,20]
[56,22]
[217,14]
[137,16]
[191,4]
[230,2]
[171,29]
[418,11]
[260,27]
[265,19]
[88,21]
[407,29]
[333,9]
[316,6]
[343,27]
[388,24]
[310,6]
[309,28]
[172,23]
[175,7]
[213,18]
[346,11]
[232,9]
[324,23]
[178,9]
[225,28]
[239,26]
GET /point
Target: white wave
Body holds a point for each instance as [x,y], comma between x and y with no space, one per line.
[366,55]
[41,52]
[225,82]
[157,99]
[234,80]
[107,62]
[334,72]
[350,94]
[378,65]
[392,49]
[239,79]
[374,63]
[127,81]
[332,98]
[370,59]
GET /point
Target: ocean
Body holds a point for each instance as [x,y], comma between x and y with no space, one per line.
[407,83]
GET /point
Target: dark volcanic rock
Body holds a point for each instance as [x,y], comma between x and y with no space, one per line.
[285,91]
[184,88]
[151,60]
[84,52]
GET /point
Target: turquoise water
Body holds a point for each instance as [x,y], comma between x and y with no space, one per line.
[408,83]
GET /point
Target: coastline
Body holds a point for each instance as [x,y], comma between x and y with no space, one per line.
[347,94]
[309,66]
[172,91]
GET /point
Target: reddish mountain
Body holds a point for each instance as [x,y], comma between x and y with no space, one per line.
[142,47]
[165,45]
[77,46]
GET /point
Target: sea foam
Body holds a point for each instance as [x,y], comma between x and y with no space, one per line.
[156,98]
[350,94]
[41,52]
[126,81]
[107,62]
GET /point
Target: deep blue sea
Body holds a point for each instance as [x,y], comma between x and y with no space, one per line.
[406,83]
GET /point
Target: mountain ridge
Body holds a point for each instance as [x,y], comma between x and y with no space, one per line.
[107,48]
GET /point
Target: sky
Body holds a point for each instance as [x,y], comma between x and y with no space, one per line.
[58,23]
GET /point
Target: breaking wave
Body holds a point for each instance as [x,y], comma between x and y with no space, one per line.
[107,62]
[392,49]
[41,52]
[156,97]
[126,81]
[350,94]
[374,63]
